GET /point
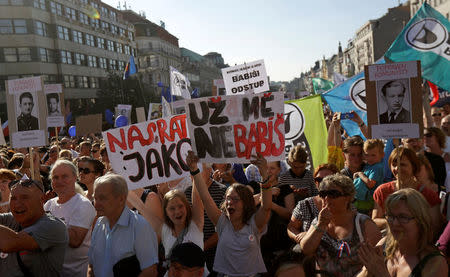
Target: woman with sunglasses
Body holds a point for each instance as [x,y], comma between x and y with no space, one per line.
[308,209]
[238,223]
[409,244]
[336,234]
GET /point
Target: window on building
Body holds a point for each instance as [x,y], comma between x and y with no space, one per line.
[89,39]
[92,61]
[105,25]
[114,29]
[69,81]
[94,22]
[49,79]
[24,54]
[84,1]
[70,13]
[127,50]
[20,26]
[83,18]
[11,2]
[133,52]
[40,4]
[10,54]
[94,4]
[63,32]
[102,63]
[154,61]
[77,36]
[113,15]
[82,82]
[66,57]
[121,32]
[104,11]
[130,35]
[46,55]
[112,64]
[41,28]
[80,59]
[6,26]
[100,42]
[121,65]
[119,47]
[55,8]
[93,82]
[110,45]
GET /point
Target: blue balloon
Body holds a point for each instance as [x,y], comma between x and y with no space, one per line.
[121,121]
[109,116]
[72,131]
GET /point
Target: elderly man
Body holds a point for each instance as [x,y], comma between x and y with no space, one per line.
[186,260]
[76,211]
[25,121]
[32,242]
[122,241]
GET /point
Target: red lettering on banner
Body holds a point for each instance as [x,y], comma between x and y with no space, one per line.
[277,151]
[113,140]
[239,138]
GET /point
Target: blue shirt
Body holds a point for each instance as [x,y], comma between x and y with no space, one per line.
[131,235]
[374,172]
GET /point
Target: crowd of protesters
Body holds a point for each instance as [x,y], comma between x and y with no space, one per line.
[372,210]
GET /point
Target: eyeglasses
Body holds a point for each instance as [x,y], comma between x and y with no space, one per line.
[25,183]
[436,114]
[94,151]
[332,193]
[402,219]
[232,199]
[318,179]
[85,170]
[428,135]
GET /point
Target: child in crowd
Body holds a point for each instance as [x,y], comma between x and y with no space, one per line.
[371,177]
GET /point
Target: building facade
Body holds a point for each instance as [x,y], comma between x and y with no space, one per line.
[442,6]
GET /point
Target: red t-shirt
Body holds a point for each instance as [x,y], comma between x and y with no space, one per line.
[386,189]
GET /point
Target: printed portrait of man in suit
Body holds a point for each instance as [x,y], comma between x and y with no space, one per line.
[393,93]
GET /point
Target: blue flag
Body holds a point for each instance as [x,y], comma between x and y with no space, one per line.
[130,69]
[425,38]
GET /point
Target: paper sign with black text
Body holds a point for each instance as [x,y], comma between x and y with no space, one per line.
[55,105]
[232,128]
[244,78]
[150,152]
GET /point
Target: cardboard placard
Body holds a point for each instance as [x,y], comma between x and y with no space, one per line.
[244,78]
[27,114]
[55,105]
[154,111]
[150,152]
[394,91]
[87,124]
[140,114]
[232,128]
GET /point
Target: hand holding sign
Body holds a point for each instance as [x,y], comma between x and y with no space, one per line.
[191,161]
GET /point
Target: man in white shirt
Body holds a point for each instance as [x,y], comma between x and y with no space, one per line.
[77,212]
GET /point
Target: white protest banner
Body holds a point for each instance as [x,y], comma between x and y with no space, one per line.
[244,78]
[55,105]
[179,84]
[2,137]
[394,91]
[150,152]
[230,128]
[27,114]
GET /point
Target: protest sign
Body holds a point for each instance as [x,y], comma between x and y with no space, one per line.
[140,114]
[179,84]
[218,87]
[86,124]
[154,111]
[150,152]
[55,105]
[394,91]
[232,128]
[2,137]
[27,114]
[305,125]
[244,78]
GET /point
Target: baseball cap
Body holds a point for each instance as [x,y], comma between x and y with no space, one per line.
[188,254]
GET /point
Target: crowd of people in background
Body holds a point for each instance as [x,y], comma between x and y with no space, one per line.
[377,208]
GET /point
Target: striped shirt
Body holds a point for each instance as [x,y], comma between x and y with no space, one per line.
[304,181]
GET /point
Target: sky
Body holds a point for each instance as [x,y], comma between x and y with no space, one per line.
[290,35]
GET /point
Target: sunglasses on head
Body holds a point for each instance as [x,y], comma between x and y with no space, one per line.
[84,170]
[25,183]
[318,179]
[332,193]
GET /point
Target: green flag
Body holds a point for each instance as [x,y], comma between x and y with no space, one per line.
[321,85]
[304,124]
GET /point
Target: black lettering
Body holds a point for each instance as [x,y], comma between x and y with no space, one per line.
[140,165]
[182,163]
[218,107]
[193,114]
[447,51]
[168,161]
[252,108]
[151,165]
[226,145]
[204,144]
[266,112]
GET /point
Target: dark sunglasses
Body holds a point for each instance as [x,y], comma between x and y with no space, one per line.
[318,179]
[94,151]
[25,183]
[332,193]
[85,170]
[436,114]
[428,135]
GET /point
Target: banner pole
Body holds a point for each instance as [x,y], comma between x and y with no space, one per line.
[31,162]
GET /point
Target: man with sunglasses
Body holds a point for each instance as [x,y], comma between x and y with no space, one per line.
[77,212]
[32,242]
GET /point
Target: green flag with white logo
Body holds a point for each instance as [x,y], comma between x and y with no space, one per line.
[321,85]
[425,38]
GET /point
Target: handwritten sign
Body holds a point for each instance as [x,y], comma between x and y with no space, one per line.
[244,78]
[24,84]
[232,128]
[150,152]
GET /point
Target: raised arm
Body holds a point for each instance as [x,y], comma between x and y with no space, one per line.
[262,216]
[197,205]
[210,206]
[312,238]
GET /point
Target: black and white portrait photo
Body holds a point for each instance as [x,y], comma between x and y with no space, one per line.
[53,104]
[394,102]
[27,112]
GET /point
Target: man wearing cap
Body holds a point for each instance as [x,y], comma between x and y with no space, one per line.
[186,260]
